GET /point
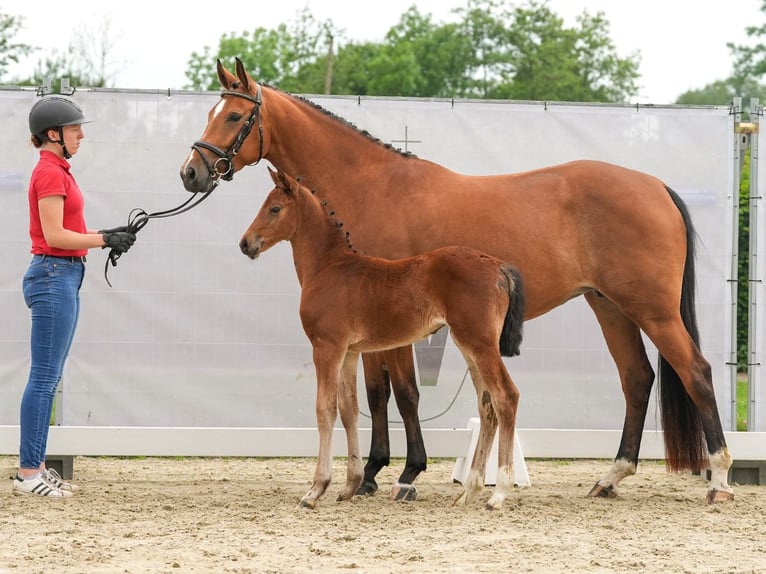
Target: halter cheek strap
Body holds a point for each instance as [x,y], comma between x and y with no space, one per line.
[222,167]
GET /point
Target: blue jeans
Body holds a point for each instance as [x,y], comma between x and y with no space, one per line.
[52,292]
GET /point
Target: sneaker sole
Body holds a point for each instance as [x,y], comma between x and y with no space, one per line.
[27,493]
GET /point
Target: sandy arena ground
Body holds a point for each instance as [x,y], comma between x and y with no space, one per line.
[240,516]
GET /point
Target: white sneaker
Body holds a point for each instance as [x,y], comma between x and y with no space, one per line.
[54,478]
[38,486]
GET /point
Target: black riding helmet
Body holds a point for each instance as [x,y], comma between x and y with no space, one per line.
[53,112]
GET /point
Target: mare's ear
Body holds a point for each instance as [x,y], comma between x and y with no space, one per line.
[242,74]
[224,76]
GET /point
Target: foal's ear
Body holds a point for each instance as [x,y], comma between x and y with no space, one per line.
[224,76]
[285,182]
[242,74]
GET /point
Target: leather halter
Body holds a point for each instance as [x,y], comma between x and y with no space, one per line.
[222,167]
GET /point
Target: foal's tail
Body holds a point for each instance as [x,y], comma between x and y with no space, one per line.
[685,447]
[513,325]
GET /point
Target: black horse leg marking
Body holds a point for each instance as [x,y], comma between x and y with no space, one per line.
[377,384]
[394,369]
[407,399]
[623,339]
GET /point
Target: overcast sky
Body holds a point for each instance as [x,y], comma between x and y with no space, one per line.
[682,42]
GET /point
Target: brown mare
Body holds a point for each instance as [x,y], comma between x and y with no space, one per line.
[352,303]
[621,238]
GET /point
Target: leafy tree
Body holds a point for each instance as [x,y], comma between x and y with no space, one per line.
[421,59]
[292,57]
[258,51]
[750,61]
[721,93]
[491,52]
[11,52]
[484,28]
[353,68]
[527,53]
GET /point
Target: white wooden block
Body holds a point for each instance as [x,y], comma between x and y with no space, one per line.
[463,463]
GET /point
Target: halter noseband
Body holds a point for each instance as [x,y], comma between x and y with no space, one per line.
[222,167]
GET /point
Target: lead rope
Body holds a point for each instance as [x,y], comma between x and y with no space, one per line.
[138,218]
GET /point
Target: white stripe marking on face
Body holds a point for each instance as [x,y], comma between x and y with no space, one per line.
[218,108]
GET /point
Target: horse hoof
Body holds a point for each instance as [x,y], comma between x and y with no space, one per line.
[367,488]
[404,493]
[307,505]
[716,496]
[345,495]
[599,491]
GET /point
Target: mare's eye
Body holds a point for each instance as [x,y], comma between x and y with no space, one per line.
[275,209]
[235,117]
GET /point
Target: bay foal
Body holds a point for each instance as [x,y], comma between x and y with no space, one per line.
[351,303]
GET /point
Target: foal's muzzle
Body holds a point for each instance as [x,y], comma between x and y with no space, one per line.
[251,248]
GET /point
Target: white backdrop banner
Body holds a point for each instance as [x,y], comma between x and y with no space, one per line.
[195,334]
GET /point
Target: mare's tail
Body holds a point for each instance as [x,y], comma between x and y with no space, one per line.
[685,447]
[513,325]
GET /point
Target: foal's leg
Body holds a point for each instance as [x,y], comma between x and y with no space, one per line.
[505,401]
[474,482]
[349,415]
[327,362]
[498,405]
[623,338]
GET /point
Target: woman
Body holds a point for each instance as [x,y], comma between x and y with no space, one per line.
[60,241]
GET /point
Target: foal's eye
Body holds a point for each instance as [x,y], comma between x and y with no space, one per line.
[235,117]
[275,209]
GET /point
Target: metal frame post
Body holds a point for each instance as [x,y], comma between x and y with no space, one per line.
[753,355]
[740,145]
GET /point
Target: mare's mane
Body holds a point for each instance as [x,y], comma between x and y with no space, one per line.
[337,118]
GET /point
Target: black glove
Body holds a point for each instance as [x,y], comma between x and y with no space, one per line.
[119,241]
[120,229]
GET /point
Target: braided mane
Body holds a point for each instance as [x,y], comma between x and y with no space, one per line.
[329,114]
[338,224]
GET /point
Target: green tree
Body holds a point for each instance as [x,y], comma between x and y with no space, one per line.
[421,59]
[258,50]
[721,93]
[11,52]
[528,54]
[293,57]
[491,52]
[750,61]
[353,69]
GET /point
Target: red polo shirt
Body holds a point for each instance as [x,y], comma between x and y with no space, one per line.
[51,176]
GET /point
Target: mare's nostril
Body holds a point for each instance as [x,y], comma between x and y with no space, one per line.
[243,245]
